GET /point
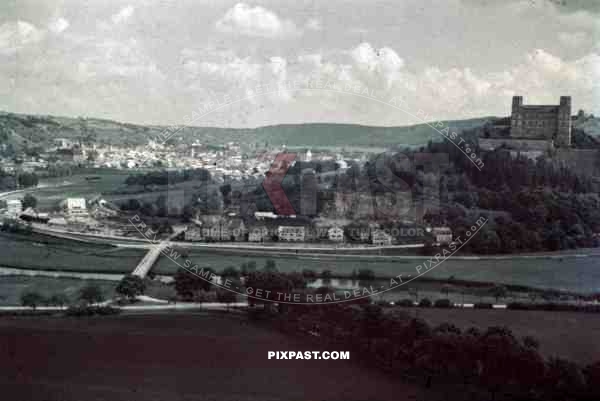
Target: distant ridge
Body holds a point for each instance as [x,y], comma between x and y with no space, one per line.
[40,130]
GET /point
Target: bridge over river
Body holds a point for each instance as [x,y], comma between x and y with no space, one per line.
[151,257]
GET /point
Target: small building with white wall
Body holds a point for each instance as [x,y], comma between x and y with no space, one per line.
[291,233]
[442,235]
[380,238]
[335,234]
[14,207]
[76,207]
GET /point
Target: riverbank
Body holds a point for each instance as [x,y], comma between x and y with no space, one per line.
[568,271]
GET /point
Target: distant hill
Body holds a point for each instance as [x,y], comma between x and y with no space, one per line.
[41,130]
[19,129]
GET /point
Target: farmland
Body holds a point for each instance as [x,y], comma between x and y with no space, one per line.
[141,358]
[570,335]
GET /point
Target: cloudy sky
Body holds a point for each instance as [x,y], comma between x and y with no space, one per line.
[156,61]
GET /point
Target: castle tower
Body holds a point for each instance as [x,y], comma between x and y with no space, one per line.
[515,128]
[563,129]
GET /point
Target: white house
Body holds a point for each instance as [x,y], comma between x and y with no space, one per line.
[258,234]
[264,215]
[442,235]
[335,234]
[291,233]
[194,234]
[14,206]
[76,207]
[380,238]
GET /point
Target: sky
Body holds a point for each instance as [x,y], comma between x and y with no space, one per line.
[160,61]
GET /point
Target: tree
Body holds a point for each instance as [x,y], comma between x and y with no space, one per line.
[366,274]
[91,294]
[188,285]
[498,291]
[131,286]
[248,268]
[415,293]
[32,299]
[309,274]
[270,266]
[28,180]
[425,302]
[564,379]
[29,201]
[531,342]
[225,192]
[58,300]
[226,296]
[132,204]
[266,285]
[446,289]
[92,155]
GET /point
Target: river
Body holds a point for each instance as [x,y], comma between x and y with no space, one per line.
[579,271]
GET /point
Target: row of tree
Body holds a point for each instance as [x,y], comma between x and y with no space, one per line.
[165,177]
[88,295]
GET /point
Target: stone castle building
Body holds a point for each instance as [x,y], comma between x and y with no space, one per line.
[542,122]
[531,128]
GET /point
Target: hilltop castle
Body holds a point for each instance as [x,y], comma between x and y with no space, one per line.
[531,127]
[542,122]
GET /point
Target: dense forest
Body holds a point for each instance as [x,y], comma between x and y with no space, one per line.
[532,205]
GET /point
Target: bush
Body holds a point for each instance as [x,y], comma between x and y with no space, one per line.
[425,303]
[32,299]
[483,305]
[405,302]
[443,303]
[518,306]
[82,311]
[28,312]
[57,300]
[554,307]
[366,274]
[91,294]
[447,328]
[131,286]
[309,274]
[531,342]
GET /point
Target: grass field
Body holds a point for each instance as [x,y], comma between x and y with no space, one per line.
[175,357]
[12,287]
[43,252]
[55,189]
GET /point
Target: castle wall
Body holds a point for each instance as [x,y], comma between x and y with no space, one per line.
[551,122]
[516,143]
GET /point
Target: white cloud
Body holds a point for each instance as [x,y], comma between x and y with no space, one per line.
[16,35]
[572,39]
[123,15]
[59,25]
[383,59]
[383,64]
[255,21]
[314,24]
[240,71]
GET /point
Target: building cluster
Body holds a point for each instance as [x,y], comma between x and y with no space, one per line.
[268,227]
[231,161]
